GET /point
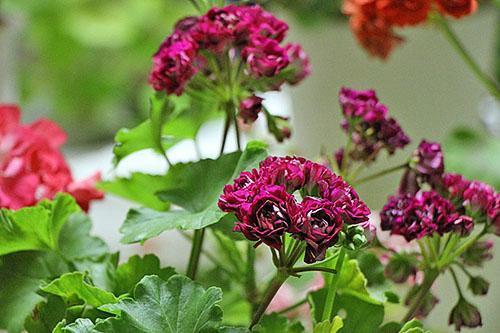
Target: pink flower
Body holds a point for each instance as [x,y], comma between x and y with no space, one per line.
[299,63]
[250,108]
[84,191]
[31,166]
[265,57]
[428,159]
[173,66]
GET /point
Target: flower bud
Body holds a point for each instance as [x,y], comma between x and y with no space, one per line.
[478,253]
[465,314]
[250,108]
[478,285]
[400,268]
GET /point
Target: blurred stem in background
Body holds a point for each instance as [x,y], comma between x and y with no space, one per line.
[489,83]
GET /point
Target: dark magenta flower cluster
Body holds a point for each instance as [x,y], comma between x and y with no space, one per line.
[265,203]
[453,203]
[370,128]
[245,36]
[423,214]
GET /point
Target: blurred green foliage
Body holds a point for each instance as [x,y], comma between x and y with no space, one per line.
[87,61]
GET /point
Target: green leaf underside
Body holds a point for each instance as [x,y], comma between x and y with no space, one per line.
[195,187]
[139,188]
[329,327]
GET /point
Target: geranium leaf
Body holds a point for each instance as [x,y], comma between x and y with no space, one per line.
[128,274]
[20,277]
[413,326]
[71,286]
[75,241]
[35,228]
[46,315]
[158,306]
[142,224]
[196,187]
[329,327]
[275,323]
[139,188]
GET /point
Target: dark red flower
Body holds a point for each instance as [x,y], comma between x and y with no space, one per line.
[457,8]
[265,57]
[404,12]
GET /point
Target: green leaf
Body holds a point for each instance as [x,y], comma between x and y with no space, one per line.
[329,327]
[390,327]
[363,313]
[20,277]
[35,228]
[196,187]
[73,286]
[275,323]
[413,326]
[391,297]
[128,141]
[102,269]
[130,273]
[140,188]
[142,224]
[46,315]
[176,305]
[371,267]
[75,241]
[79,326]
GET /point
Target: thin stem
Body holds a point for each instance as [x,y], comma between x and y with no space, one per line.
[345,156]
[227,123]
[194,258]
[434,254]
[332,287]
[430,277]
[452,38]
[380,174]
[238,135]
[445,260]
[455,280]
[271,291]
[250,284]
[293,306]
[314,269]
[423,251]
[462,267]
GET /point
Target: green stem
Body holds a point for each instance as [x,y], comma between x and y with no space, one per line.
[430,277]
[433,251]
[194,258]
[227,123]
[314,269]
[238,135]
[462,267]
[457,284]
[452,38]
[423,251]
[271,291]
[445,260]
[379,174]
[332,287]
[196,5]
[250,284]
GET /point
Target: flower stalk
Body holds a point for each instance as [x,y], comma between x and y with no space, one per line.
[429,279]
[333,285]
[452,38]
[194,257]
[380,174]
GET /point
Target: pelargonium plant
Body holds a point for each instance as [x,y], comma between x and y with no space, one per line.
[301,218]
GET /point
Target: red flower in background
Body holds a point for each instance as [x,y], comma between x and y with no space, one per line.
[32,167]
[372,21]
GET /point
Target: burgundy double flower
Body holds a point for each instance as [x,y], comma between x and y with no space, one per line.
[366,120]
[265,203]
[241,33]
[423,214]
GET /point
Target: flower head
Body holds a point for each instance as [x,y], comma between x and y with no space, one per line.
[367,121]
[300,65]
[32,167]
[265,57]
[423,214]
[457,8]
[404,12]
[264,203]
